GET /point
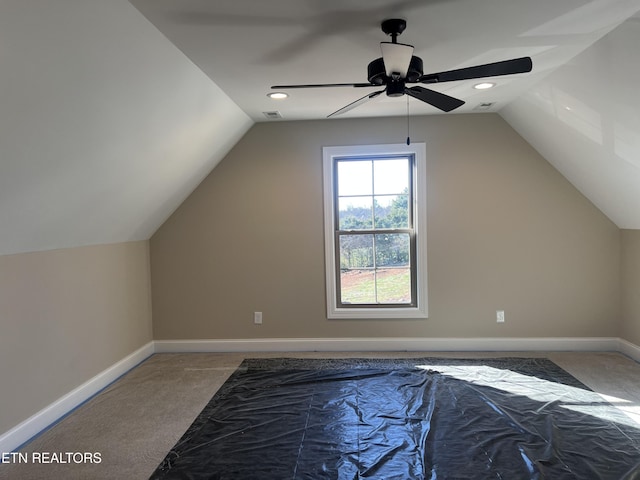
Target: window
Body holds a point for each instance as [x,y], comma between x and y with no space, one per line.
[375,231]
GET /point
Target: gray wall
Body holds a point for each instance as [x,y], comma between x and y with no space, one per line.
[631,286]
[505,231]
[66,316]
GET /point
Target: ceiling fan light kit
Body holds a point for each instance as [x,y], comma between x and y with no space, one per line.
[396,58]
[398,66]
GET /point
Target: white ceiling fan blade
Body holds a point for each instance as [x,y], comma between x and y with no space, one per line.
[397,57]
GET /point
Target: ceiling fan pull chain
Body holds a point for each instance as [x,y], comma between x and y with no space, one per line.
[408,139]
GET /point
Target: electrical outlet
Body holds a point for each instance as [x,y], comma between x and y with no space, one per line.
[257,318]
[500,316]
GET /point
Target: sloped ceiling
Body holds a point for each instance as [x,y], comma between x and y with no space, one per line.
[246,46]
[105,126]
[578,106]
[584,119]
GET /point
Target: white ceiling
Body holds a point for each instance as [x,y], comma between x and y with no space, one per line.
[579,106]
[106,126]
[584,119]
[245,46]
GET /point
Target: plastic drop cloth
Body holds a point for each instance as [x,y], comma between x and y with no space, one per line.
[508,418]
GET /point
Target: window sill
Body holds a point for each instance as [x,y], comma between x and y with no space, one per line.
[376,313]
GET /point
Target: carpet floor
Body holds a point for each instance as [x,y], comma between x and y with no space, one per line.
[134,423]
[419,418]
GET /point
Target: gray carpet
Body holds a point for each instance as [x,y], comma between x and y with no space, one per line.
[136,421]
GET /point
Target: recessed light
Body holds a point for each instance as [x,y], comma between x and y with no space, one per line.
[277,95]
[484,85]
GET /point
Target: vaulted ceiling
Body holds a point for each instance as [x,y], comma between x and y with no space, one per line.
[578,107]
[246,46]
[113,111]
[584,118]
[105,126]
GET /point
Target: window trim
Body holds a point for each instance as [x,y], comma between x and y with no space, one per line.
[329,154]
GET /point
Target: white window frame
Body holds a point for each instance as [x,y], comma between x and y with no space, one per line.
[329,154]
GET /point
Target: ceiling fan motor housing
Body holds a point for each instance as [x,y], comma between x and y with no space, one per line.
[415,69]
[377,74]
[395,88]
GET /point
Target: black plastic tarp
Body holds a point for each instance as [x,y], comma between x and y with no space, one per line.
[429,418]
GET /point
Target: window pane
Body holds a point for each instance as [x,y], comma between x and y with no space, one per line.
[355,177]
[372,244]
[392,250]
[391,211]
[357,286]
[356,251]
[355,213]
[393,285]
[391,176]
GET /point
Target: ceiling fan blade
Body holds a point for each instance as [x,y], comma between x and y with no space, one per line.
[323,85]
[397,57]
[355,104]
[437,99]
[506,67]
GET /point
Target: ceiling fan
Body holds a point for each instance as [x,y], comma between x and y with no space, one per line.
[398,67]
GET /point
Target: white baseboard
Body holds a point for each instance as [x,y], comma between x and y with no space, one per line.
[629,349]
[389,344]
[14,438]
